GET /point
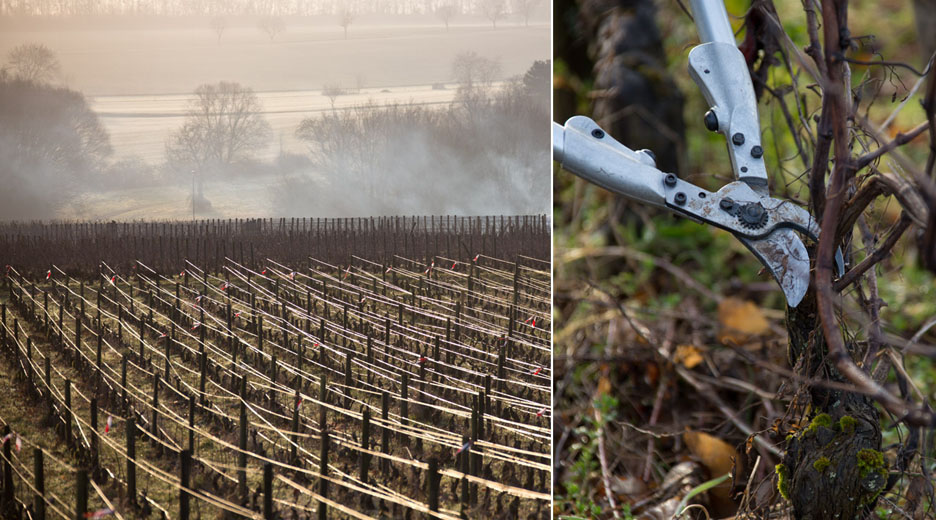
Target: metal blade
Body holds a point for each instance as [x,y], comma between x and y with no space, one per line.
[784,254]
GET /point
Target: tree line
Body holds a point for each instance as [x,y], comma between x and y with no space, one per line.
[264,7]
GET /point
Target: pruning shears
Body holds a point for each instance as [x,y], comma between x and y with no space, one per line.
[767,226]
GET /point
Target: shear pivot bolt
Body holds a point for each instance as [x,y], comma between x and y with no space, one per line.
[598,133]
[738,139]
[757,152]
[680,198]
[669,180]
[711,121]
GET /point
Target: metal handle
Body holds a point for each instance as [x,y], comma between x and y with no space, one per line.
[711,20]
[583,148]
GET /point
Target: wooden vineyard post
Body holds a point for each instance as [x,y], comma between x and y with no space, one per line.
[7,502]
[191,424]
[267,491]
[95,441]
[322,356]
[299,356]
[259,335]
[81,494]
[294,449]
[153,425]
[323,397]
[131,458]
[203,373]
[142,342]
[100,340]
[185,473]
[510,320]
[370,358]
[68,413]
[123,380]
[385,430]
[39,485]
[48,382]
[349,359]
[77,335]
[387,325]
[435,359]
[448,338]
[432,483]
[464,469]
[404,400]
[474,459]
[242,442]
[273,366]
[323,471]
[365,444]
[168,353]
[458,307]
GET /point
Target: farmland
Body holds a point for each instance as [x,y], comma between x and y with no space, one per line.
[294,368]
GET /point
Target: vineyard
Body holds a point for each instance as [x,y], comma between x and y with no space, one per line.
[359,368]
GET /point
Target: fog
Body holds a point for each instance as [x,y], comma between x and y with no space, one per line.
[138,72]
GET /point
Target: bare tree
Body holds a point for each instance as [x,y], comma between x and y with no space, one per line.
[493,10]
[51,142]
[218,25]
[345,17]
[445,13]
[525,8]
[224,125]
[475,76]
[272,26]
[33,62]
[332,91]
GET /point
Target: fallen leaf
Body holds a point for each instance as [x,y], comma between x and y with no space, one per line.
[741,321]
[687,355]
[604,386]
[717,456]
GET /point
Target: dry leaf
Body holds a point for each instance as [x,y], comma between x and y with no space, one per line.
[604,386]
[717,456]
[688,355]
[741,321]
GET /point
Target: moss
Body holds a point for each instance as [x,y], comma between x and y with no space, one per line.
[823,419]
[847,423]
[821,464]
[872,461]
[783,481]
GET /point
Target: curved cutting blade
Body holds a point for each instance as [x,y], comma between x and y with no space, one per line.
[784,254]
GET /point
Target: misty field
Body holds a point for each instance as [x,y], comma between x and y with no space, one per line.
[173,59]
[140,80]
[138,76]
[139,125]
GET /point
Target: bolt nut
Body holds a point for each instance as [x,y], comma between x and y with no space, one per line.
[680,198]
[669,180]
[738,139]
[757,152]
[711,121]
[598,133]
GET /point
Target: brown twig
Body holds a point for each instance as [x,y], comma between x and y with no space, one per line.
[603,459]
[900,140]
[872,259]
[868,192]
[834,12]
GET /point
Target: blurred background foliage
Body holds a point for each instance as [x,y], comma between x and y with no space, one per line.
[626,273]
